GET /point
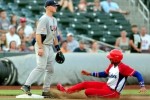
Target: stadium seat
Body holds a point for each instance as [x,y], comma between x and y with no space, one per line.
[22,3]
[96,34]
[85,20]
[37,16]
[13,6]
[99,21]
[114,21]
[26,12]
[70,29]
[108,39]
[4,7]
[90,8]
[109,23]
[64,14]
[64,21]
[79,27]
[33,7]
[38,2]
[78,16]
[103,15]
[17,12]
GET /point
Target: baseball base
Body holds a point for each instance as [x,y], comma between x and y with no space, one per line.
[27,96]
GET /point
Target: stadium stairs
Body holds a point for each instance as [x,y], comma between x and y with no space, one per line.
[136,16]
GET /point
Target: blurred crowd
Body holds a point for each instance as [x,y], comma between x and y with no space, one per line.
[16,35]
[97,5]
[137,42]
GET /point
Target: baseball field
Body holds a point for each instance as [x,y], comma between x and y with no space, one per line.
[129,93]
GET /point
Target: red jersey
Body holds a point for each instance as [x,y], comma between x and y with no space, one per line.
[117,75]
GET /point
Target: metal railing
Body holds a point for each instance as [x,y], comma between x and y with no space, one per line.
[107,46]
[142,9]
[145,12]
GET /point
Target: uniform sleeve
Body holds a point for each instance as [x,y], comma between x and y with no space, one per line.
[41,27]
[116,5]
[126,70]
[108,68]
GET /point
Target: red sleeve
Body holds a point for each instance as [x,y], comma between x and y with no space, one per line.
[108,68]
[126,70]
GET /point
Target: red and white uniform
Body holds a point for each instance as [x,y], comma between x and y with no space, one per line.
[117,76]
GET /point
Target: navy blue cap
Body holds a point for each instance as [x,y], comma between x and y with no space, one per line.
[51,3]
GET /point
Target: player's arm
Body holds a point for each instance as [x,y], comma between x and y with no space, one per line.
[39,41]
[98,74]
[131,43]
[41,35]
[60,58]
[56,40]
[140,80]
[95,74]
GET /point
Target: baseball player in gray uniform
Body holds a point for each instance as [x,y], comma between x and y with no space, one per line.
[46,37]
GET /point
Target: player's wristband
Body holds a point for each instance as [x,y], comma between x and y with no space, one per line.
[95,74]
[57,47]
[141,84]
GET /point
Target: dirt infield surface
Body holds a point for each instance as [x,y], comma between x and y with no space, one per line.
[76,96]
[40,87]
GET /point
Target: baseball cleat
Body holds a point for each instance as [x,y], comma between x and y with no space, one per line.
[61,88]
[26,89]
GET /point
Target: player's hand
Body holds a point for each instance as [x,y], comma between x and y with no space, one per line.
[142,90]
[139,50]
[40,51]
[83,72]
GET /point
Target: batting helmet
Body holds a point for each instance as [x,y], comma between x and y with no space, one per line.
[115,55]
[60,58]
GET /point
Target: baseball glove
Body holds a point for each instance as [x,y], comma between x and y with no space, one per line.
[60,57]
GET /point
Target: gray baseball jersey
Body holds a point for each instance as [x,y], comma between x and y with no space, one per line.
[47,26]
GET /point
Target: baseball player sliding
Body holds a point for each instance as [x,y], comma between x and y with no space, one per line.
[46,37]
[117,73]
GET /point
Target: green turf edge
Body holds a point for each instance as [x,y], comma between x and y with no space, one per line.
[18,92]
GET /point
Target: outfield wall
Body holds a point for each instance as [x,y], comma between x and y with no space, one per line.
[69,72]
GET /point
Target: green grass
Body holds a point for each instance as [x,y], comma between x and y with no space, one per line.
[16,92]
[134,92]
[126,95]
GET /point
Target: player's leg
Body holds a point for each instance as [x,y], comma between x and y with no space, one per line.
[105,92]
[49,72]
[82,85]
[36,72]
